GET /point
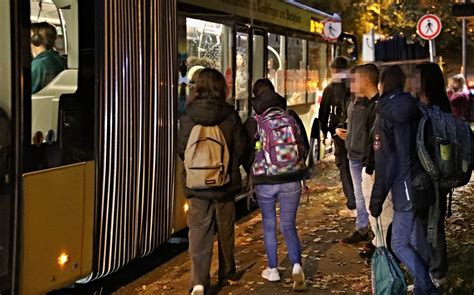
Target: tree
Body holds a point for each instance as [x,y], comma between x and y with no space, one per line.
[401,17]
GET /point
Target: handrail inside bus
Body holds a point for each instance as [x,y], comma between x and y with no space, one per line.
[334,16]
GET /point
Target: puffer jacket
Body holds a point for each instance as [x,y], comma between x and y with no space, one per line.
[260,104]
[211,112]
[395,149]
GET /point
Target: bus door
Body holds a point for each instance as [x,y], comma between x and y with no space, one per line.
[242,81]
[259,54]
[58,168]
[7,207]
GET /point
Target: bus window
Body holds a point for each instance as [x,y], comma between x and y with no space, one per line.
[46,11]
[317,64]
[209,45]
[296,73]
[276,61]
[241,75]
[50,78]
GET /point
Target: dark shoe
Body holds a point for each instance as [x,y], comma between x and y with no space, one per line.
[367,247]
[367,254]
[355,237]
[351,205]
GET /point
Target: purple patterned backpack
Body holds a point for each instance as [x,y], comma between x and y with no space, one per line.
[279,148]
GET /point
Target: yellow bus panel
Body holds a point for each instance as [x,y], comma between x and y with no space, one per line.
[52,235]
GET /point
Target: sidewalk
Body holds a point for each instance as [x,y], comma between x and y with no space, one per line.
[330,267]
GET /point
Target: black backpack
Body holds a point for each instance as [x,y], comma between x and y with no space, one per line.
[445,149]
[448,159]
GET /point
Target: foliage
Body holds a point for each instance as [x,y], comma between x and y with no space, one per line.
[401,17]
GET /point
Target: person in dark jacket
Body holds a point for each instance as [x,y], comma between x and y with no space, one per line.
[430,91]
[395,157]
[359,144]
[266,97]
[332,117]
[361,117]
[46,63]
[286,189]
[213,208]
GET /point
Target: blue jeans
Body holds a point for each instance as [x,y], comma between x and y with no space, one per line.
[362,220]
[288,194]
[405,243]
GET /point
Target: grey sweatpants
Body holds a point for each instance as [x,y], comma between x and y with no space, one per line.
[204,218]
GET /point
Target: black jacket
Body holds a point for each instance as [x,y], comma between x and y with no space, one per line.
[211,112]
[395,149]
[360,126]
[260,104]
[333,109]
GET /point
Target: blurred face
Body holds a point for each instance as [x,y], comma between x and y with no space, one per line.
[416,84]
[358,80]
[381,89]
[456,86]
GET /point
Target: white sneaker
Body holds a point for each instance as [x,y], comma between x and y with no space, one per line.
[271,274]
[299,283]
[198,290]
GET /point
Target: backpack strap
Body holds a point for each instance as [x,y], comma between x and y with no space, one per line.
[433,218]
[426,161]
[271,109]
[450,212]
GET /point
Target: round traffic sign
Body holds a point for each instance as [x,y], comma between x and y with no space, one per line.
[332,29]
[429,26]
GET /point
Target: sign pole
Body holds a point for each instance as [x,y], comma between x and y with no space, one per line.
[431,50]
[429,27]
[464,53]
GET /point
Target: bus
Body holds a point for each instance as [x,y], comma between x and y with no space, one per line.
[89,176]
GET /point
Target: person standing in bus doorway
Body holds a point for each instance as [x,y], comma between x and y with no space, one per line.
[46,63]
[270,188]
[395,159]
[213,208]
[332,118]
[359,143]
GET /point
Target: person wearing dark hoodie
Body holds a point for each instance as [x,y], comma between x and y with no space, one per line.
[429,88]
[395,157]
[286,189]
[215,207]
[332,117]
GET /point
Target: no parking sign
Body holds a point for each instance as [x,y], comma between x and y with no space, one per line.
[429,26]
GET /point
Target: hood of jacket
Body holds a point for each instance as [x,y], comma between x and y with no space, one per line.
[398,106]
[208,111]
[267,99]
